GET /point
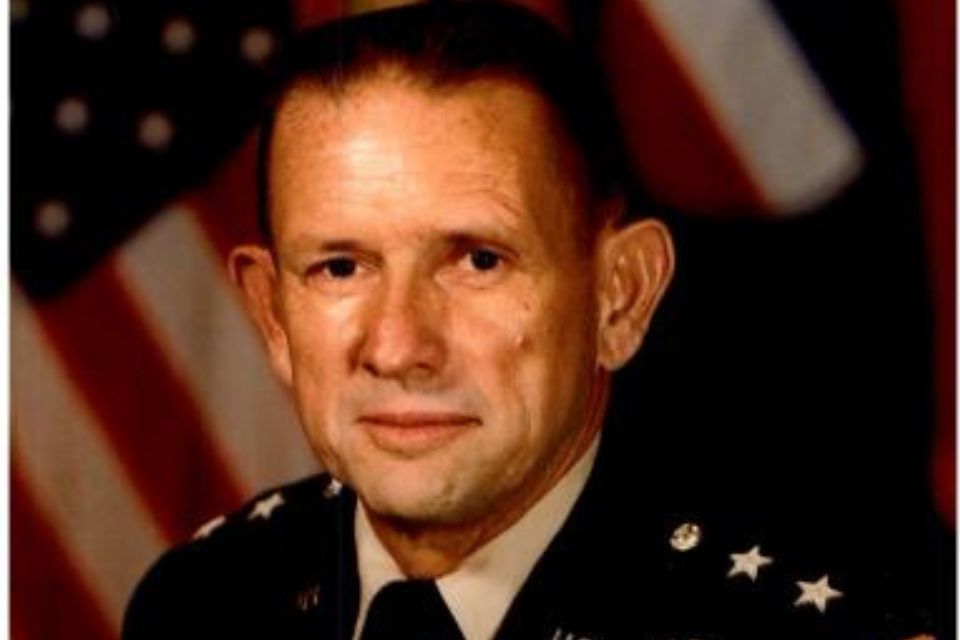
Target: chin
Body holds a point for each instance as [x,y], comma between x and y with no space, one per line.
[431,500]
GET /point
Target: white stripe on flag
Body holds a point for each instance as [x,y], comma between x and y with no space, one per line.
[172,272]
[760,90]
[73,475]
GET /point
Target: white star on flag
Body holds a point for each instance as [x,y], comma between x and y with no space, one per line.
[748,563]
[264,508]
[817,593]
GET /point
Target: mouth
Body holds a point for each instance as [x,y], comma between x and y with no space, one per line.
[412,433]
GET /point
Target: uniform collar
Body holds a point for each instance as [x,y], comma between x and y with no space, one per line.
[480,591]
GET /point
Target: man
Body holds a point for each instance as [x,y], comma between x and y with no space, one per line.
[451,274]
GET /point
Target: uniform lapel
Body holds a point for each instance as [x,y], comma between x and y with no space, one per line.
[558,601]
[322,592]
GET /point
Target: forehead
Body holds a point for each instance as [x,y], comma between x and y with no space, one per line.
[393,137]
[493,114]
[395,89]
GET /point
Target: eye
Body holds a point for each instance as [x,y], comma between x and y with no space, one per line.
[339,268]
[478,265]
[484,259]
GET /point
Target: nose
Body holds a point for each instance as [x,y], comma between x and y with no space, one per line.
[404,337]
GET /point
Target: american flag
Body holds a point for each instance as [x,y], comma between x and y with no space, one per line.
[142,404]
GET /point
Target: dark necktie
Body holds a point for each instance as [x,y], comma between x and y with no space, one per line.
[410,610]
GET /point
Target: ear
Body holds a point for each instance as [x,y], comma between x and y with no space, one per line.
[253,270]
[636,264]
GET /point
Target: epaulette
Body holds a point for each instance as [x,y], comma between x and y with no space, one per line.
[732,576]
[756,580]
[257,572]
[275,510]
[659,572]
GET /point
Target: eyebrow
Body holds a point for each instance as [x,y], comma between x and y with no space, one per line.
[472,237]
[312,243]
[503,230]
[450,236]
[501,238]
[340,245]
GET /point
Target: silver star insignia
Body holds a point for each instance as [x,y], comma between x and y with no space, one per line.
[208,528]
[264,508]
[817,593]
[748,563]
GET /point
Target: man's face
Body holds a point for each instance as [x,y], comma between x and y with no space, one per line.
[436,301]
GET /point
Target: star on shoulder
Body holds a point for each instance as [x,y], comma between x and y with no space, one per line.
[817,593]
[748,563]
[267,505]
[264,508]
[206,529]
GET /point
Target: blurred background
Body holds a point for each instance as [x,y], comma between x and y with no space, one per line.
[802,367]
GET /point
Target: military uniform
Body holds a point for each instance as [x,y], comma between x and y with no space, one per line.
[285,567]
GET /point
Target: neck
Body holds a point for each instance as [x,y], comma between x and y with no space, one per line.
[430,550]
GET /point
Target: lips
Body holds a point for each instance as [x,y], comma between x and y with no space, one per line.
[410,433]
[417,419]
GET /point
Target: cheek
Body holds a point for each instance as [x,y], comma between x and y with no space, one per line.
[320,340]
[547,327]
[499,330]
[552,357]
[520,349]
[525,327]
[320,336]
[319,328]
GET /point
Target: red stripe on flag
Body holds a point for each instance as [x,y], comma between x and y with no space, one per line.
[928,48]
[42,575]
[146,412]
[553,10]
[678,150]
[227,203]
[309,13]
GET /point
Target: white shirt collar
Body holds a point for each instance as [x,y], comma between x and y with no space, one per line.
[480,591]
